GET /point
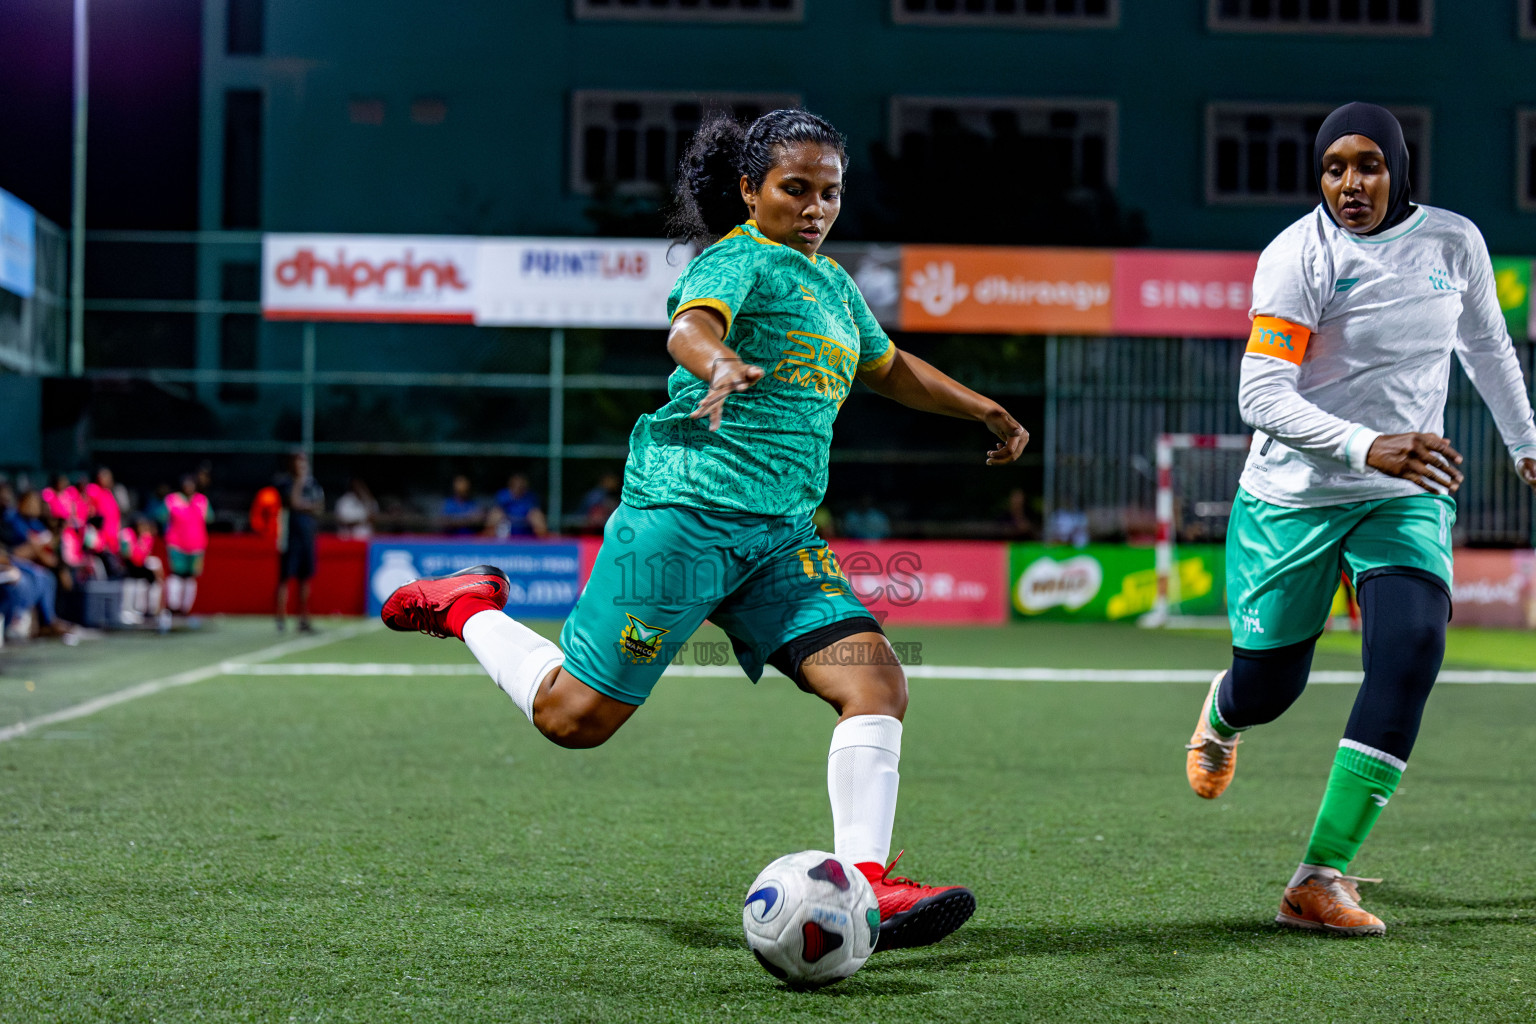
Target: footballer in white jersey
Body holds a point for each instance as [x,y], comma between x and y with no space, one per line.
[1358,308]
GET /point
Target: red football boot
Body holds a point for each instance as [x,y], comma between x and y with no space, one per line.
[912,914]
[428,605]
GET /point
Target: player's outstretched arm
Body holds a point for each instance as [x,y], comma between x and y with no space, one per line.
[919,385]
[697,342]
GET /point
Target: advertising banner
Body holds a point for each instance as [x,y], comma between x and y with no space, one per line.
[570,282]
[545,576]
[1183,294]
[1512,280]
[1494,588]
[391,278]
[1006,290]
[1111,582]
[18,245]
[928,582]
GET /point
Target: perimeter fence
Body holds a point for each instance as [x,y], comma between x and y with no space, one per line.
[170,376]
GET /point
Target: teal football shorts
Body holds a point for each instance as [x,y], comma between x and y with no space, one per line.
[765,580]
[1283,564]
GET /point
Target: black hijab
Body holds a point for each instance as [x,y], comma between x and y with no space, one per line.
[1378,125]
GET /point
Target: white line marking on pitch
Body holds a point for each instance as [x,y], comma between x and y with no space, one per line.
[961,673]
[196,675]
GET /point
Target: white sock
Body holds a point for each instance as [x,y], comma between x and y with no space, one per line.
[188,595]
[1308,870]
[173,593]
[517,658]
[862,780]
[154,599]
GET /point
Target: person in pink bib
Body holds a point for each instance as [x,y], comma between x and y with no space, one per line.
[101,503]
[187,514]
[144,575]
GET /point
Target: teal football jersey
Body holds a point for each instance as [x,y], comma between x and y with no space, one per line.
[804,322]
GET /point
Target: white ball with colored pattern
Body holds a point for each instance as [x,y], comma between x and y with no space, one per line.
[811,918]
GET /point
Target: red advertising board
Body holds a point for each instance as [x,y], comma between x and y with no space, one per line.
[928,582]
[240,576]
[1183,294]
[1494,588]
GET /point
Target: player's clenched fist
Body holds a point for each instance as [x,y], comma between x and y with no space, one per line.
[1425,459]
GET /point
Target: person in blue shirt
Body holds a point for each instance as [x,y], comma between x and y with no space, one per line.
[521,507]
[461,514]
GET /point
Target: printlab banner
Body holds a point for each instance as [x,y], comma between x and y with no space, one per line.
[565,282]
[545,576]
[18,245]
[1110,582]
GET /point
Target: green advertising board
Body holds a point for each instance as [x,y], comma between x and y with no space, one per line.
[1512,279]
[1111,582]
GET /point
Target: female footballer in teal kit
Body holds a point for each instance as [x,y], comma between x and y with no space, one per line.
[719,490]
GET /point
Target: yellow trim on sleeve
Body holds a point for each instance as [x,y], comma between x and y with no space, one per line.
[880,360]
[714,304]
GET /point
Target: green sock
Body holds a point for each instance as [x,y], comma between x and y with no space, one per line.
[1218,726]
[1361,783]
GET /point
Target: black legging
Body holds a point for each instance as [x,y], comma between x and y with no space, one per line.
[1404,613]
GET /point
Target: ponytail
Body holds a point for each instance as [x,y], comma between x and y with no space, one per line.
[707,201]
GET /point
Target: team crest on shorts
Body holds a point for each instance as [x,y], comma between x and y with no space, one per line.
[641,643]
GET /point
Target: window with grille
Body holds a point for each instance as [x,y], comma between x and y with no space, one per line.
[1263,153]
[631,142]
[1050,143]
[691,10]
[1525,153]
[1364,17]
[1021,13]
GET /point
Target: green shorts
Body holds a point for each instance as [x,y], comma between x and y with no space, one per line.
[765,580]
[185,563]
[1283,564]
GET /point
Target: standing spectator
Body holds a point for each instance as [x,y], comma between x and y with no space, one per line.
[521,507]
[355,511]
[599,503]
[186,540]
[303,501]
[461,514]
[1015,520]
[105,514]
[266,516]
[866,522]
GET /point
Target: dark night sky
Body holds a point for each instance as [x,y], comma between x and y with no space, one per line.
[144,98]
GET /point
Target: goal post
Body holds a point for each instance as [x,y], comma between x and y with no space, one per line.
[1210,493]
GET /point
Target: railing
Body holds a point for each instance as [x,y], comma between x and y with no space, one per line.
[32,330]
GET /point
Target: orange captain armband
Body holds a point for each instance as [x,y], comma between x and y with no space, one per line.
[1282,339]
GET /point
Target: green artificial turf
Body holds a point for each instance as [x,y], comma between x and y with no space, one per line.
[302,848]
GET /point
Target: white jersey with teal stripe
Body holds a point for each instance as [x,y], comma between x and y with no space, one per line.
[1385,313]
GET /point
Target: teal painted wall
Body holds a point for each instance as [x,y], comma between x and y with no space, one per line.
[506,69]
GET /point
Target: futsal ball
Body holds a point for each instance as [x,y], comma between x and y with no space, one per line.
[811,918]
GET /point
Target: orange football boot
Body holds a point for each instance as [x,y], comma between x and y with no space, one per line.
[1329,903]
[1212,758]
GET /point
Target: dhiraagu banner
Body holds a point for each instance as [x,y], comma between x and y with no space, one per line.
[1512,280]
[1111,582]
